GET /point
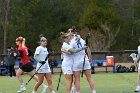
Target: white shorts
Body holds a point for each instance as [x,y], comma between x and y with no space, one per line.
[78,66]
[67,70]
[44,68]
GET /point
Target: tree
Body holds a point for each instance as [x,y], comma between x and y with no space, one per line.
[5,7]
[103,19]
[29,18]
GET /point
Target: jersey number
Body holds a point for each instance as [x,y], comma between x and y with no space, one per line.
[79,45]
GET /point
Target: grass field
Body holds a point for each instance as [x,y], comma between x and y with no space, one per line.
[105,83]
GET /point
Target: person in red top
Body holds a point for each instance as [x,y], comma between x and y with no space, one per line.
[26,65]
[23,51]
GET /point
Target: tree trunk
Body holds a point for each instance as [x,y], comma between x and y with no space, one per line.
[7,8]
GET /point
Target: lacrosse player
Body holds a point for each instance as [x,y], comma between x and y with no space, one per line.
[26,65]
[136,60]
[43,68]
[78,59]
[67,62]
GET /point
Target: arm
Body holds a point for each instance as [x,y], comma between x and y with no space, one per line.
[66,52]
[89,55]
[36,57]
[30,53]
[37,52]
[73,50]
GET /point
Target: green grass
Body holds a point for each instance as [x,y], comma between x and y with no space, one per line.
[105,83]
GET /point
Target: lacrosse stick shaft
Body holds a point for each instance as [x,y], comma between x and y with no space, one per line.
[34,74]
[87,43]
[59,80]
[84,63]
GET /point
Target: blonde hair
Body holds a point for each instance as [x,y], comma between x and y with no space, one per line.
[22,40]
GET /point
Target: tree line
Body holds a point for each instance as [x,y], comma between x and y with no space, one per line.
[113,24]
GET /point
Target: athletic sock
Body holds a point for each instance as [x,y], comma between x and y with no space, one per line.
[52,92]
[93,91]
[33,91]
[44,88]
[137,87]
[77,92]
[74,86]
[22,88]
[22,85]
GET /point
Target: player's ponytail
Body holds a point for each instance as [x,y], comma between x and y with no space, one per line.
[23,42]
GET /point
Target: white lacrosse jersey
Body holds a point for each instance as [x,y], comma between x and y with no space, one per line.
[67,59]
[42,53]
[79,57]
[139,50]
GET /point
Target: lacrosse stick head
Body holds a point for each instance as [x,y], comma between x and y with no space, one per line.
[134,57]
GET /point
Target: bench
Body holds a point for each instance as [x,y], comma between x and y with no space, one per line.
[3,71]
[103,62]
[59,62]
[17,63]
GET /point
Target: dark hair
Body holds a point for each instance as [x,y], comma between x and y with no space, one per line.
[8,47]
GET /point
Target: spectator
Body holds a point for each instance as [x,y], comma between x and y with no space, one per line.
[10,60]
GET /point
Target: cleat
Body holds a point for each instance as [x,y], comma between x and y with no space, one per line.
[20,91]
[52,92]
[137,91]
[33,91]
